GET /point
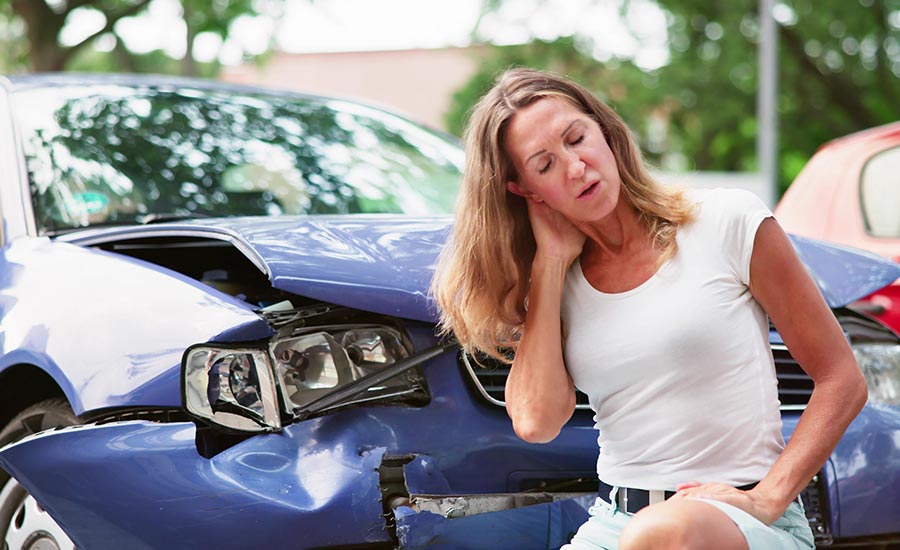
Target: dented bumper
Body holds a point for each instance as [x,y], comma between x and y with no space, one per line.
[141,485]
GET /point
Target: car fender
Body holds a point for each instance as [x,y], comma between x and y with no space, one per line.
[861,475]
[119,325]
[867,472]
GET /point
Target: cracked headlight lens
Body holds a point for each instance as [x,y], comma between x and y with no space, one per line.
[252,387]
[312,364]
[233,388]
[880,363]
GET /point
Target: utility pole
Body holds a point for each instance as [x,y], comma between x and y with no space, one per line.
[766,106]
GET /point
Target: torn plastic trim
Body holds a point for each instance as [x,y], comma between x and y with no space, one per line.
[461,506]
[421,511]
[546,525]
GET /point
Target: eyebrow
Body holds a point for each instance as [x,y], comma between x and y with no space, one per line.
[562,134]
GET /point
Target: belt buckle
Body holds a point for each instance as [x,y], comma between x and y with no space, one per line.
[622,499]
[653,497]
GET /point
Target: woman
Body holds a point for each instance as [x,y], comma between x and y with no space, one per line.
[654,302]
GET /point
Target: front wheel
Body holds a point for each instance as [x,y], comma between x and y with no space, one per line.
[24,525]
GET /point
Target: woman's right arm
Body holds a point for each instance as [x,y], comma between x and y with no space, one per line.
[540,395]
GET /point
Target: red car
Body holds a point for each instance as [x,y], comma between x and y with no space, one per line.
[849,193]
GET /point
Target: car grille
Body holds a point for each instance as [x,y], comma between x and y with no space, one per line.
[489,376]
[815,502]
[794,386]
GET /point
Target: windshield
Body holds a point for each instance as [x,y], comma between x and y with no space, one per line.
[123,155]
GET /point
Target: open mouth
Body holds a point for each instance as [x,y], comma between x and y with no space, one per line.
[589,191]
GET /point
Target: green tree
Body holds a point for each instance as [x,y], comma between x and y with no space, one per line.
[629,90]
[839,72]
[34,27]
[43,23]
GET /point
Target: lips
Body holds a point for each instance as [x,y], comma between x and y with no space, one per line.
[589,191]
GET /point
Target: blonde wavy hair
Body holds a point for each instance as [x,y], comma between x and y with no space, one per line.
[483,273]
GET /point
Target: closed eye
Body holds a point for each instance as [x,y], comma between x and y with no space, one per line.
[543,169]
[577,140]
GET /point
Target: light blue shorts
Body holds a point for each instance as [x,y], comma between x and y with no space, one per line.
[789,532]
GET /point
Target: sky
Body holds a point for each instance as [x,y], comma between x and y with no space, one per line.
[361,25]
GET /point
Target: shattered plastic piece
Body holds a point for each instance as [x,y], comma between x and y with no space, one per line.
[539,527]
[424,477]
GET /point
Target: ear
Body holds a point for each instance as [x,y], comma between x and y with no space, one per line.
[517,189]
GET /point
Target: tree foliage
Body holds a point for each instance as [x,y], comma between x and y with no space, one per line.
[44,21]
[839,72]
[33,30]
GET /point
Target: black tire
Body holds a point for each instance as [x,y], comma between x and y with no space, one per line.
[15,502]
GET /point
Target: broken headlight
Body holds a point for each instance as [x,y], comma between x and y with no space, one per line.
[231,387]
[252,388]
[880,363]
[313,364]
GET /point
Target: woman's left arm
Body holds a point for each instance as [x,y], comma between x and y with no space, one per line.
[780,282]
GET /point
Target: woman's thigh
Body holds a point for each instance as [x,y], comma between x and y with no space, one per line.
[790,532]
[682,523]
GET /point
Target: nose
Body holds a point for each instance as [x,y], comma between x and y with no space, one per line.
[575,166]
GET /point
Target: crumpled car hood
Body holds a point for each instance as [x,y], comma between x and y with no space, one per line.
[387,262]
[377,263]
[844,274]
[384,263]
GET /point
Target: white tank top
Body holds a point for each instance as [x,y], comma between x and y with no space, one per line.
[679,371]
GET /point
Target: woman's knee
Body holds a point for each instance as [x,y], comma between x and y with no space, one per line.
[656,527]
[681,525]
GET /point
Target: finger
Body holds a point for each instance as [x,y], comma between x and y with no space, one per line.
[687,485]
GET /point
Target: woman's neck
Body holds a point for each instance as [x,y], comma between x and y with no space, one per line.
[620,233]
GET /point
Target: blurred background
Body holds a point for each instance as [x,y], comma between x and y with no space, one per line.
[685,74]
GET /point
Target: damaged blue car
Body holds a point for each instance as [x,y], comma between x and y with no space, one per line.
[215,333]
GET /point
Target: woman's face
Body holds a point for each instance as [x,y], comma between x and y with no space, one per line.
[562,158]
